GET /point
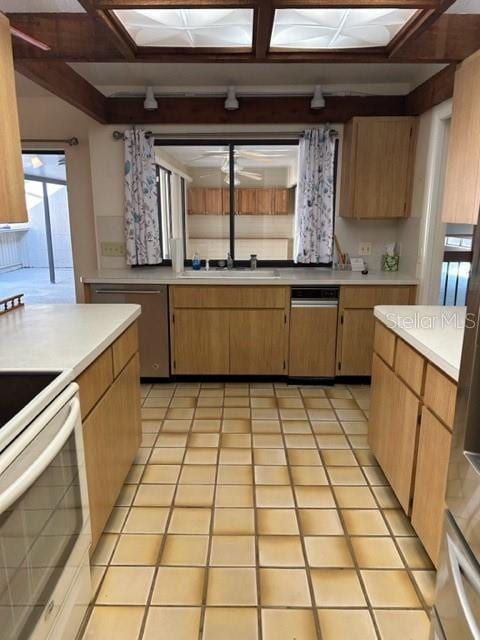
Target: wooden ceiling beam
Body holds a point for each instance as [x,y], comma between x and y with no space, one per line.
[280,4]
[117,35]
[175,4]
[61,80]
[262,28]
[433,91]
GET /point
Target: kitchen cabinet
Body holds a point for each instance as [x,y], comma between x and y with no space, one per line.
[257,342]
[461,194]
[246,202]
[265,204]
[281,202]
[12,191]
[431,482]
[214,201]
[377,166]
[196,201]
[313,338]
[440,395]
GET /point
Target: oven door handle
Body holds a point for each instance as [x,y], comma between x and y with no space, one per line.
[35,470]
[459,563]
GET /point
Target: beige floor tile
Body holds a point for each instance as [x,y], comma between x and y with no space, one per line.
[189,520]
[337,392]
[192,495]
[234,522]
[232,551]
[313,392]
[277,522]
[267,441]
[153,413]
[269,474]
[314,497]
[344,403]
[274,496]
[293,414]
[228,495]
[337,588]
[280,551]
[167,456]
[104,549]
[357,428]
[358,442]
[156,401]
[399,625]
[236,401]
[364,522]
[392,589]
[269,456]
[198,474]
[137,549]
[287,392]
[376,553]
[231,587]
[126,586]
[142,456]
[327,427]
[205,440]
[414,553]
[186,392]
[135,474]
[179,586]
[236,425]
[350,415]
[398,522]
[337,624]
[232,623]
[116,520]
[321,414]
[375,476]
[206,426]
[354,497]
[236,440]
[386,498]
[96,577]
[425,581]
[296,427]
[266,426]
[236,392]
[304,457]
[179,414]
[180,550]
[236,413]
[328,551]
[294,402]
[146,520]
[365,458]
[154,495]
[172,623]
[234,474]
[161,392]
[284,588]
[148,439]
[339,458]
[317,403]
[346,476]
[216,401]
[300,441]
[320,522]
[199,455]
[211,413]
[161,474]
[182,403]
[151,426]
[235,456]
[281,624]
[308,475]
[263,403]
[114,623]
[332,442]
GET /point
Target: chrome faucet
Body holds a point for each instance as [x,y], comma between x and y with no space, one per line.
[229,261]
[253,261]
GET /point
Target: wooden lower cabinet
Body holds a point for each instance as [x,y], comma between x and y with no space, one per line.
[356,346]
[112,434]
[313,339]
[257,341]
[200,343]
[431,482]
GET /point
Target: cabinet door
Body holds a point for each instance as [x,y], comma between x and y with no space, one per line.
[258,339]
[431,482]
[200,341]
[246,201]
[265,202]
[313,338]
[356,342]
[112,434]
[196,201]
[381,407]
[214,202]
[12,190]
[461,196]
[281,201]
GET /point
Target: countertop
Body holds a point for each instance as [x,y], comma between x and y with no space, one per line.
[296,276]
[60,337]
[434,331]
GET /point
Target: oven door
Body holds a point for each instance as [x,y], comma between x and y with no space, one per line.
[44,521]
[458,587]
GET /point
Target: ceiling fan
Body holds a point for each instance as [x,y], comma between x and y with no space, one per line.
[249,155]
[238,170]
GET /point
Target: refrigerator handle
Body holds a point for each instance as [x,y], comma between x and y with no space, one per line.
[459,564]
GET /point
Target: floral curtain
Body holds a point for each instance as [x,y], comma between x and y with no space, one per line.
[315,197]
[142,232]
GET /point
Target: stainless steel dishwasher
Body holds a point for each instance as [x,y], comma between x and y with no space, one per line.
[153,322]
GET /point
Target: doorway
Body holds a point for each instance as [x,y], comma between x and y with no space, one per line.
[36,257]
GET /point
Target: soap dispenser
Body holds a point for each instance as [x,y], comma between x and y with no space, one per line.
[196,262]
[229,261]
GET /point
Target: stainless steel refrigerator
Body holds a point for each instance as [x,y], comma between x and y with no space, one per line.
[456,615]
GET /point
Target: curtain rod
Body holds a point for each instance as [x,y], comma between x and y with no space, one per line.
[72,142]
[119,135]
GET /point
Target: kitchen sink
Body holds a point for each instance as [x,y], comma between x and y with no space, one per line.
[226,274]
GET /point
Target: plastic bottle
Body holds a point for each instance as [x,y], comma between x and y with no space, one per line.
[196,262]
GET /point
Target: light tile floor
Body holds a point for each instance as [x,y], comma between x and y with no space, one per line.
[257,512]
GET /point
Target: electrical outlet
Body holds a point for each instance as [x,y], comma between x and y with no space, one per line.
[365,248]
[112,249]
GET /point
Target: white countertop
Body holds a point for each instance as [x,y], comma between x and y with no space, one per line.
[60,337]
[296,276]
[434,331]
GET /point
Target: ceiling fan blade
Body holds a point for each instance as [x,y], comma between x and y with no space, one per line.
[252,176]
[260,156]
[29,39]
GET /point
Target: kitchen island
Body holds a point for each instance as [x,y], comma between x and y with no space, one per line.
[416,362]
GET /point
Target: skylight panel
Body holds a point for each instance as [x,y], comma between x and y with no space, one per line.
[189,27]
[337,28]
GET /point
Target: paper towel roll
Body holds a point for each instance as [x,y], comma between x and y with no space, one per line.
[176,251]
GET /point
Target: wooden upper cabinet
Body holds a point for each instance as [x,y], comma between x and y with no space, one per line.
[196,201]
[377,166]
[281,202]
[12,191]
[247,201]
[214,201]
[265,201]
[461,195]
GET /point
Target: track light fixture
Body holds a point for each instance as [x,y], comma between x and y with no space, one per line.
[150,103]
[318,101]
[231,101]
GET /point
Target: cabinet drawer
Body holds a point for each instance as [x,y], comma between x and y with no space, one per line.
[229,297]
[364,297]
[94,381]
[440,395]
[124,348]
[410,366]
[384,343]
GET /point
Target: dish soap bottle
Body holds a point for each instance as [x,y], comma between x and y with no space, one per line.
[196,262]
[229,261]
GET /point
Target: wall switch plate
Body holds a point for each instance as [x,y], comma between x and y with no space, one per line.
[365,248]
[112,249]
